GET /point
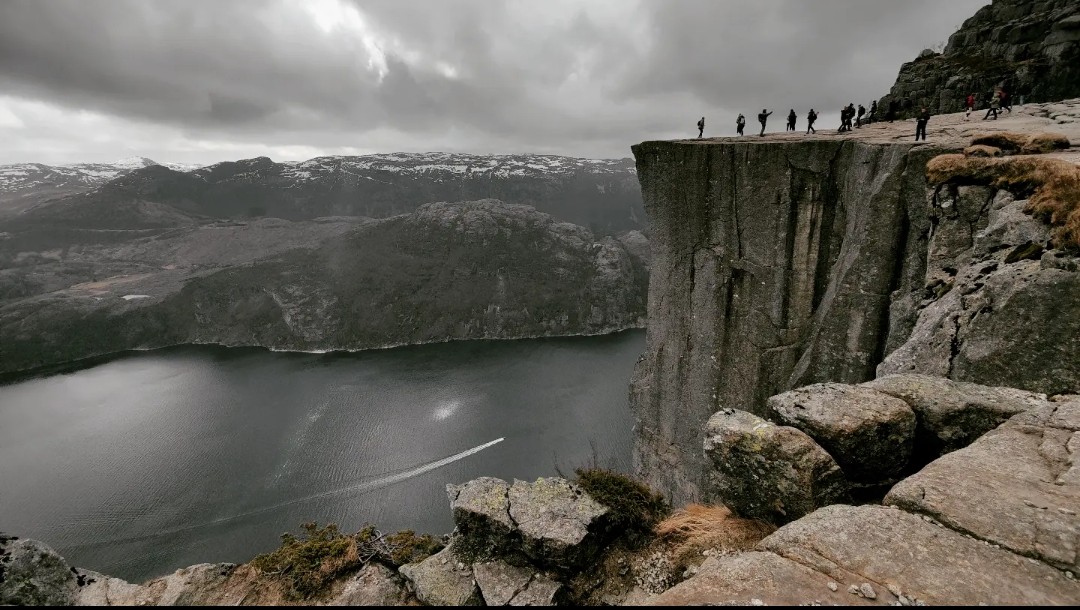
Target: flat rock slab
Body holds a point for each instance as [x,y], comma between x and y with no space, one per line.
[1018,486]
[952,414]
[441,580]
[868,433]
[505,585]
[757,578]
[769,472]
[560,525]
[101,590]
[374,585]
[198,585]
[888,547]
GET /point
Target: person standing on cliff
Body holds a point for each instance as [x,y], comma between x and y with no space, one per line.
[810,118]
[764,116]
[858,118]
[995,103]
[920,124]
[870,118]
[740,123]
[791,118]
[1005,103]
[891,114]
[969,103]
[700,127]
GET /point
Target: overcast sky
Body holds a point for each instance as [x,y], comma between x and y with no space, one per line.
[201,81]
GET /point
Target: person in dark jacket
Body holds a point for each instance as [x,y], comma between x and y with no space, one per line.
[891,114]
[764,116]
[870,118]
[1005,103]
[701,127]
[791,118]
[810,118]
[858,117]
[740,123]
[920,124]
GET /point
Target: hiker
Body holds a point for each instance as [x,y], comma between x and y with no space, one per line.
[740,123]
[791,120]
[969,103]
[870,118]
[891,114]
[920,124]
[845,117]
[1005,103]
[858,118]
[995,103]
[764,116]
[700,127]
[810,118]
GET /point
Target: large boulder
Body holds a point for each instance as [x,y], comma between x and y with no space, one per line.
[868,433]
[952,414]
[198,585]
[443,580]
[503,584]
[769,472]
[891,549]
[100,590]
[560,525]
[481,510]
[32,574]
[1018,486]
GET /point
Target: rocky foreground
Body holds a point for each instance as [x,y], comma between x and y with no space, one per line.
[993,520]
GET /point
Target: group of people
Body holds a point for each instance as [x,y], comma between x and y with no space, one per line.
[998,100]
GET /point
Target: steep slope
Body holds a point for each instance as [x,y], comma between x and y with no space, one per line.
[472,270]
[1031,47]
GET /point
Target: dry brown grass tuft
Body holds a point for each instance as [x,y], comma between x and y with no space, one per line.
[982,150]
[1052,186]
[1044,143]
[697,528]
[1005,140]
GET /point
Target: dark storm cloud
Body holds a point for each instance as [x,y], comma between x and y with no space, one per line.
[581,78]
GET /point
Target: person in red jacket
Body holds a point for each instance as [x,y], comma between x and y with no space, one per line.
[969,103]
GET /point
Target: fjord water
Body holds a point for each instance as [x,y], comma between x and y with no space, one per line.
[158,460]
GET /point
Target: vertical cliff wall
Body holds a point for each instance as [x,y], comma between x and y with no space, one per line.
[773,267]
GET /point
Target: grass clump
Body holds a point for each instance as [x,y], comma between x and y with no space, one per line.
[308,563]
[1052,186]
[1044,143]
[1005,140]
[635,509]
[697,528]
[982,150]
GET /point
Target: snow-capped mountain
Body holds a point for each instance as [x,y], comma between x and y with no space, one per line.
[27,179]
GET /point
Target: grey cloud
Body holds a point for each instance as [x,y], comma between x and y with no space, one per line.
[557,76]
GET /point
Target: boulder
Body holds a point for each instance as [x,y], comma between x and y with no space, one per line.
[1009,226]
[769,472]
[560,525]
[893,550]
[867,432]
[1018,486]
[952,414]
[101,590]
[442,580]
[756,578]
[32,574]
[374,585]
[505,585]
[481,509]
[198,585]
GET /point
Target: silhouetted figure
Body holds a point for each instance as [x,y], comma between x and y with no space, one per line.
[995,103]
[920,124]
[870,118]
[740,123]
[969,104]
[701,127]
[846,115]
[858,118]
[1005,103]
[891,114]
[764,116]
[791,118]
[810,118]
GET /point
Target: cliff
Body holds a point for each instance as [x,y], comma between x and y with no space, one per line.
[1030,47]
[790,260]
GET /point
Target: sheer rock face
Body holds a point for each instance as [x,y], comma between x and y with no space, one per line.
[1030,47]
[788,261]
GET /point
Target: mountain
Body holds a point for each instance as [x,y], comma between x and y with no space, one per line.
[1029,47]
[470,270]
[601,194]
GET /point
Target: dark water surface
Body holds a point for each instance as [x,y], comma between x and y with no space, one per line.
[159,460]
